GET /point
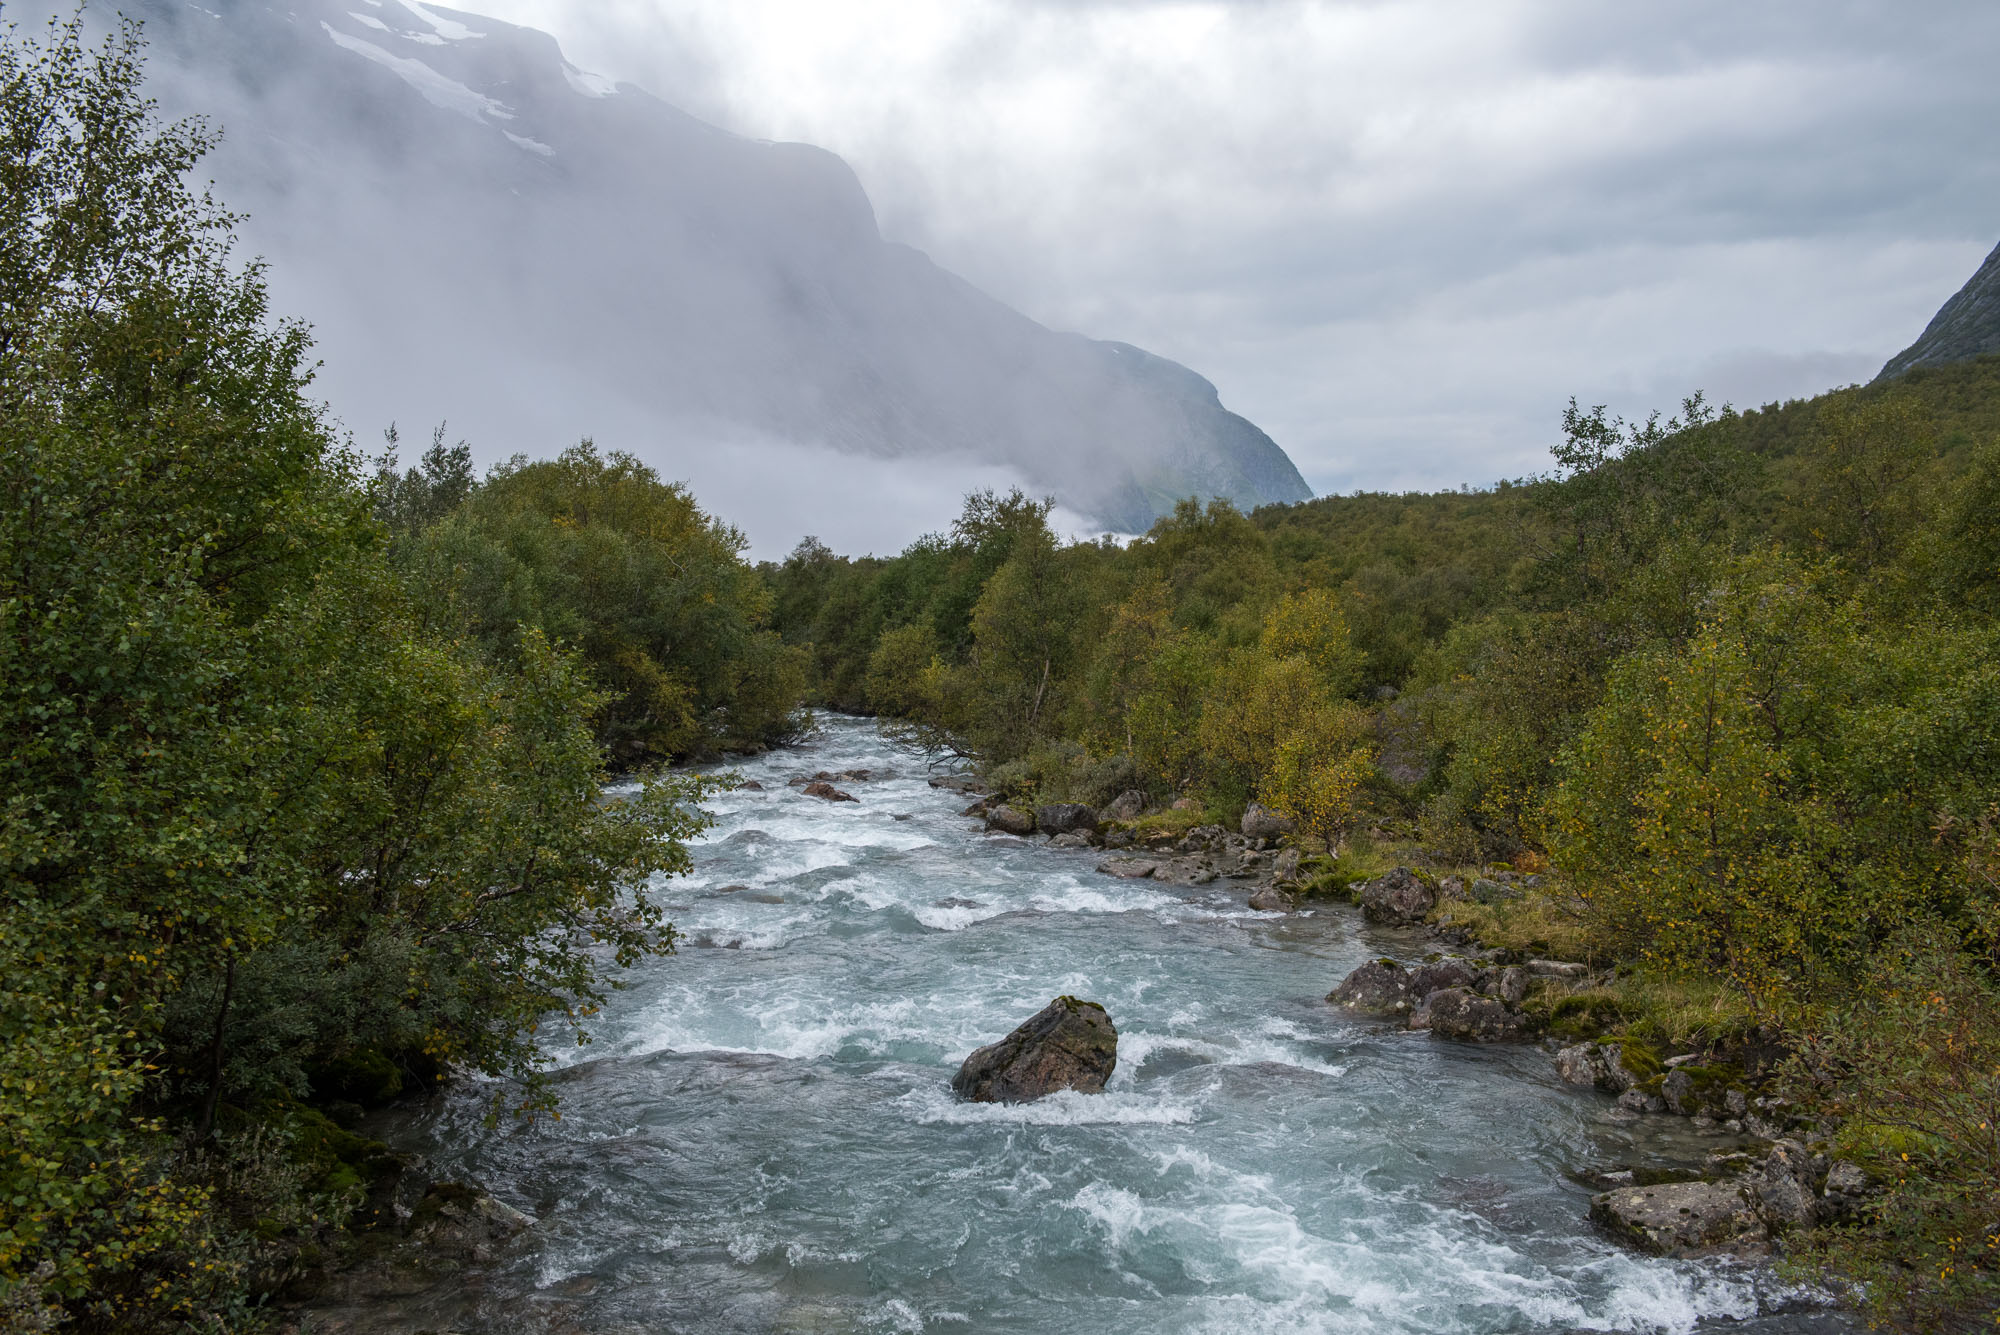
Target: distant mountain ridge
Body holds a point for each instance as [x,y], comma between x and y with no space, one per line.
[476,224]
[1968,325]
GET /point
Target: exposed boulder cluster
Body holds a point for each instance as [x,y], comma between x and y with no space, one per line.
[1471,1000]
[1746,1211]
[1199,856]
[1068,1044]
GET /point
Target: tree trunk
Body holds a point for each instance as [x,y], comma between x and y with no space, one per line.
[206,1126]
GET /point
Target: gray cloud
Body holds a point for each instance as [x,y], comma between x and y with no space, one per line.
[1397,235]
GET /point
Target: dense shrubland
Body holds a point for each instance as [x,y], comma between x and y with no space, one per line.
[301,781]
[1735,676]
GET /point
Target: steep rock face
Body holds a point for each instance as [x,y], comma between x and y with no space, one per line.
[1966,326]
[479,230]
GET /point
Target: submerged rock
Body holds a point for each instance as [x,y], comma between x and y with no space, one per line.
[1068,1044]
[1683,1219]
[1397,898]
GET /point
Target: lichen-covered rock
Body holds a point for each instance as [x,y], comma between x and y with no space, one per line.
[1683,1218]
[1129,869]
[1068,1044]
[1384,987]
[1074,839]
[1397,898]
[825,791]
[1460,1013]
[1285,867]
[1064,818]
[1788,1186]
[1010,820]
[1260,822]
[1270,899]
[1601,1065]
[1508,984]
[1568,969]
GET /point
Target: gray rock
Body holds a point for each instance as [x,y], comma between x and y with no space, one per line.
[1074,840]
[1558,969]
[1683,1219]
[1379,987]
[1270,899]
[1128,805]
[956,784]
[1260,822]
[1462,1014]
[1788,1187]
[1010,820]
[1584,1064]
[1285,867]
[1065,818]
[1844,1198]
[1484,891]
[1397,898]
[1679,1092]
[1509,985]
[1129,869]
[1068,1044]
[1384,987]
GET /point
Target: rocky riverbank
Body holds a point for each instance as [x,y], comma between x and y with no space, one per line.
[1771,1174]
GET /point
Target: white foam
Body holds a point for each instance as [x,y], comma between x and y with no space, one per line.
[931,1104]
[369,21]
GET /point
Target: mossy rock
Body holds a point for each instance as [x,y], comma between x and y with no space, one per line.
[363,1075]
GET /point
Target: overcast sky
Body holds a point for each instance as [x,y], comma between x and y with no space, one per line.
[1397,235]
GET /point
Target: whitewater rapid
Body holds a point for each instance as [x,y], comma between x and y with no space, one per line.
[761,1137]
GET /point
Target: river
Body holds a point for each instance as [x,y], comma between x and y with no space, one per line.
[761,1138]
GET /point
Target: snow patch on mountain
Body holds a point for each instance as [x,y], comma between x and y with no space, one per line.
[590,85]
[449,30]
[439,91]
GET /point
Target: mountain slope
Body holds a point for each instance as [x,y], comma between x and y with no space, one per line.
[1965,326]
[478,228]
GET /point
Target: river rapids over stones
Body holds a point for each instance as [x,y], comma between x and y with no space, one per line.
[763,1138]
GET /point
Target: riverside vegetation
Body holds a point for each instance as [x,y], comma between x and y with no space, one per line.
[303,765]
[300,794]
[1729,681]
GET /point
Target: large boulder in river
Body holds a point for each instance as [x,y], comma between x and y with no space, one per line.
[1260,822]
[1397,898]
[1065,818]
[1068,1044]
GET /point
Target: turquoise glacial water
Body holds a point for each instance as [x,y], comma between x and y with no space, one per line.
[761,1138]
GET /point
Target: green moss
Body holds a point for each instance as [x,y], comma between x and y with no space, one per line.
[361,1075]
[1579,1016]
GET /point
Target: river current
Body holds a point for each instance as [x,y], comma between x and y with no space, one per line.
[761,1138]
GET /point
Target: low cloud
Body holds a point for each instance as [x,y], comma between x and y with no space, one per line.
[1397,235]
